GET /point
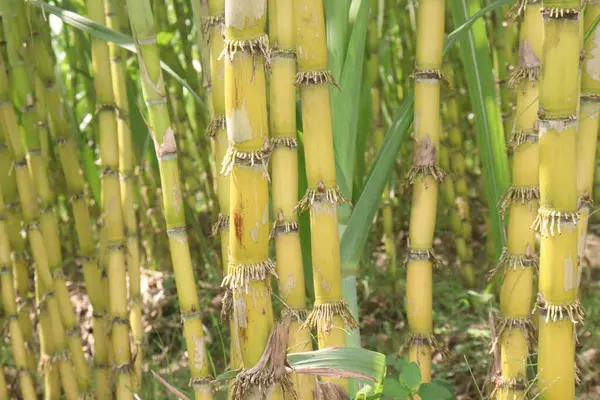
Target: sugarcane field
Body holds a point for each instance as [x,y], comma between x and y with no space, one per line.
[299,199]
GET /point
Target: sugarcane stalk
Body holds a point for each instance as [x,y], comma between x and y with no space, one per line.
[424,176]
[153,87]
[558,306]
[112,229]
[515,335]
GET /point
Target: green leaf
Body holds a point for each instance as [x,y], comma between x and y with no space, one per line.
[392,389]
[410,375]
[590,30]
[355,236]
[364,365]
[434,391]
[304,220]
[336,18]
[345,101]
[477,63]
[102,32]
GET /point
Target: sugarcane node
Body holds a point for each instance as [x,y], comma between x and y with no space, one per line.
[212,21]
[188,316]
[101,366]
[136,300]
[313,196]
[299,314]
[123,369]
[283,53]
[279,142]
[99,314]
[430,75]
[167,150]
[315,78]
[521,75]
[590,97]
[548,221]
[518,194]
[422,255]
[59,356]
[557,123]
[256,47]
[424,339]
[270,370]
[201,381]
[507,324]
[508,383]
[240,276]
[217,123]
[585,201]
[250,159]
[322,314]
[114,247]
[221,225]
[177,231]
[61,142]
[519,138]
[45,365]
[21,163]
[23,372]
[283,227]
[5,269]
[105,108]
[13,206]
[108,171]
[329,391]
[57,273]
[574,311]
[82,260]
[561,13]
[511,262]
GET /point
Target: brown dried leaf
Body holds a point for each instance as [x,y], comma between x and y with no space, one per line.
[426,153]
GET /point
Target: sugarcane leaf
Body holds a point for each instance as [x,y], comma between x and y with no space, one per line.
[590,30]
[345,101]
[102,32]
[304,220]
[477,63]
[355,235]
[336,18]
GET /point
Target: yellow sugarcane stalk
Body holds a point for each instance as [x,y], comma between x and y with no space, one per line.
[96,284]
[9,303]
[8,185]
[288,252]
[246,54]
[557,305]
[519,259]
[330,314]
[424,176]
[216,130]
[112,229]
[587,134]
[153,87]
[117,20]
[28,191]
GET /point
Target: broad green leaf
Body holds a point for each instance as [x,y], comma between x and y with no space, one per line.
[392,389]
[336,18]
[434,391]
[477,64]
[410,375]
[102,32]
[367,365]
[304,220]
[590,30]
[345,101]
[359,225]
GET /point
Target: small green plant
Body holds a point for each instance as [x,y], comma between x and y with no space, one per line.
[406,383]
